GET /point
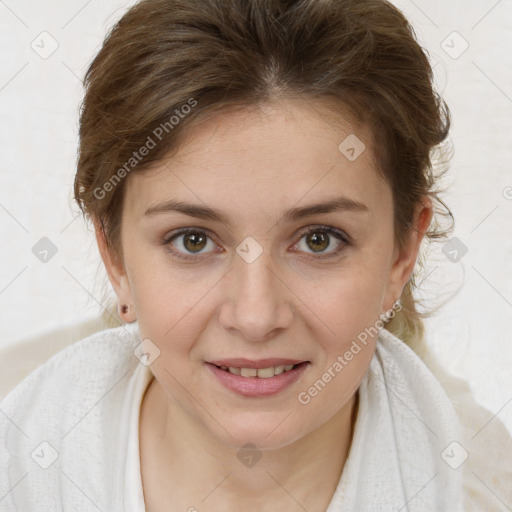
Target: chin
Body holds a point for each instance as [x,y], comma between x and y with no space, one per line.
[266,434]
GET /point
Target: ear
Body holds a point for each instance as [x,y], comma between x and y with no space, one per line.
[404,259]
[116,274]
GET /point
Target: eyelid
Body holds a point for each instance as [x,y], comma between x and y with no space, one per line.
[328,229]
[185,231]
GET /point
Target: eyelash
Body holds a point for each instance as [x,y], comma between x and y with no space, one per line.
[345,241]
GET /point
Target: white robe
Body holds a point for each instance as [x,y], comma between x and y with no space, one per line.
[69,436]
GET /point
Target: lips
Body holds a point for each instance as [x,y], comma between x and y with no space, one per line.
[257,378]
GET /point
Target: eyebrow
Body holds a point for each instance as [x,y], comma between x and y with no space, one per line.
[204,212]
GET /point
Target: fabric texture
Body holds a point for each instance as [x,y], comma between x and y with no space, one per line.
[22,357]
[69,435]
[133,494]
[405,421]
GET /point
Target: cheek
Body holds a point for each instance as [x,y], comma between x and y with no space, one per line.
[164,294]
[166,311]
[351,303]
[351,310]
[172,311]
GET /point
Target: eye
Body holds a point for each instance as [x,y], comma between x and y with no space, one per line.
[191,241]
[320,238]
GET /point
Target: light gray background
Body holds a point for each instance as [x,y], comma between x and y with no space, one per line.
[39,102]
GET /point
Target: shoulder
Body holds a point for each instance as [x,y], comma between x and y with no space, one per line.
[70,401]
[484,449]
[98,356]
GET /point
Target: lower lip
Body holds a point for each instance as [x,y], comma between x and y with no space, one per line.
[254,386]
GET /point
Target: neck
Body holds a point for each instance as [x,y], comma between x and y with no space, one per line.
[207,471]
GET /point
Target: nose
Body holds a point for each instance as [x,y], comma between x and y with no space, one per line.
[257,301]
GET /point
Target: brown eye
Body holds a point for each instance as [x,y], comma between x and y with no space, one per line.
[186,244]
[324,241]
[194,242]
[317,241]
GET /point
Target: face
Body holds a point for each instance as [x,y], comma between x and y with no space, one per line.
[252,278]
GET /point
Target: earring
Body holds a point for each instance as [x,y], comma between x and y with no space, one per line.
[126,309]
[388,315]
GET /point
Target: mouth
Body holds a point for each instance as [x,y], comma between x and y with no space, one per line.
[260,373]
[257,378]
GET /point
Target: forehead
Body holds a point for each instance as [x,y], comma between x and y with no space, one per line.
[256,160]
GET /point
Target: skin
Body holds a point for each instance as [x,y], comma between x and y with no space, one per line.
[254,165]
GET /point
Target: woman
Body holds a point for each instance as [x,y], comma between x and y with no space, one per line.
[260,177]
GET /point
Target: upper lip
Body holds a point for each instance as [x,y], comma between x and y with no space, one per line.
[240,362]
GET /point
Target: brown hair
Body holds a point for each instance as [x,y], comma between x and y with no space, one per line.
[214,55]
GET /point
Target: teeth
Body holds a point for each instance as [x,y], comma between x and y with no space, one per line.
[248,372]
[262,373]
[265,373]
[278,369]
